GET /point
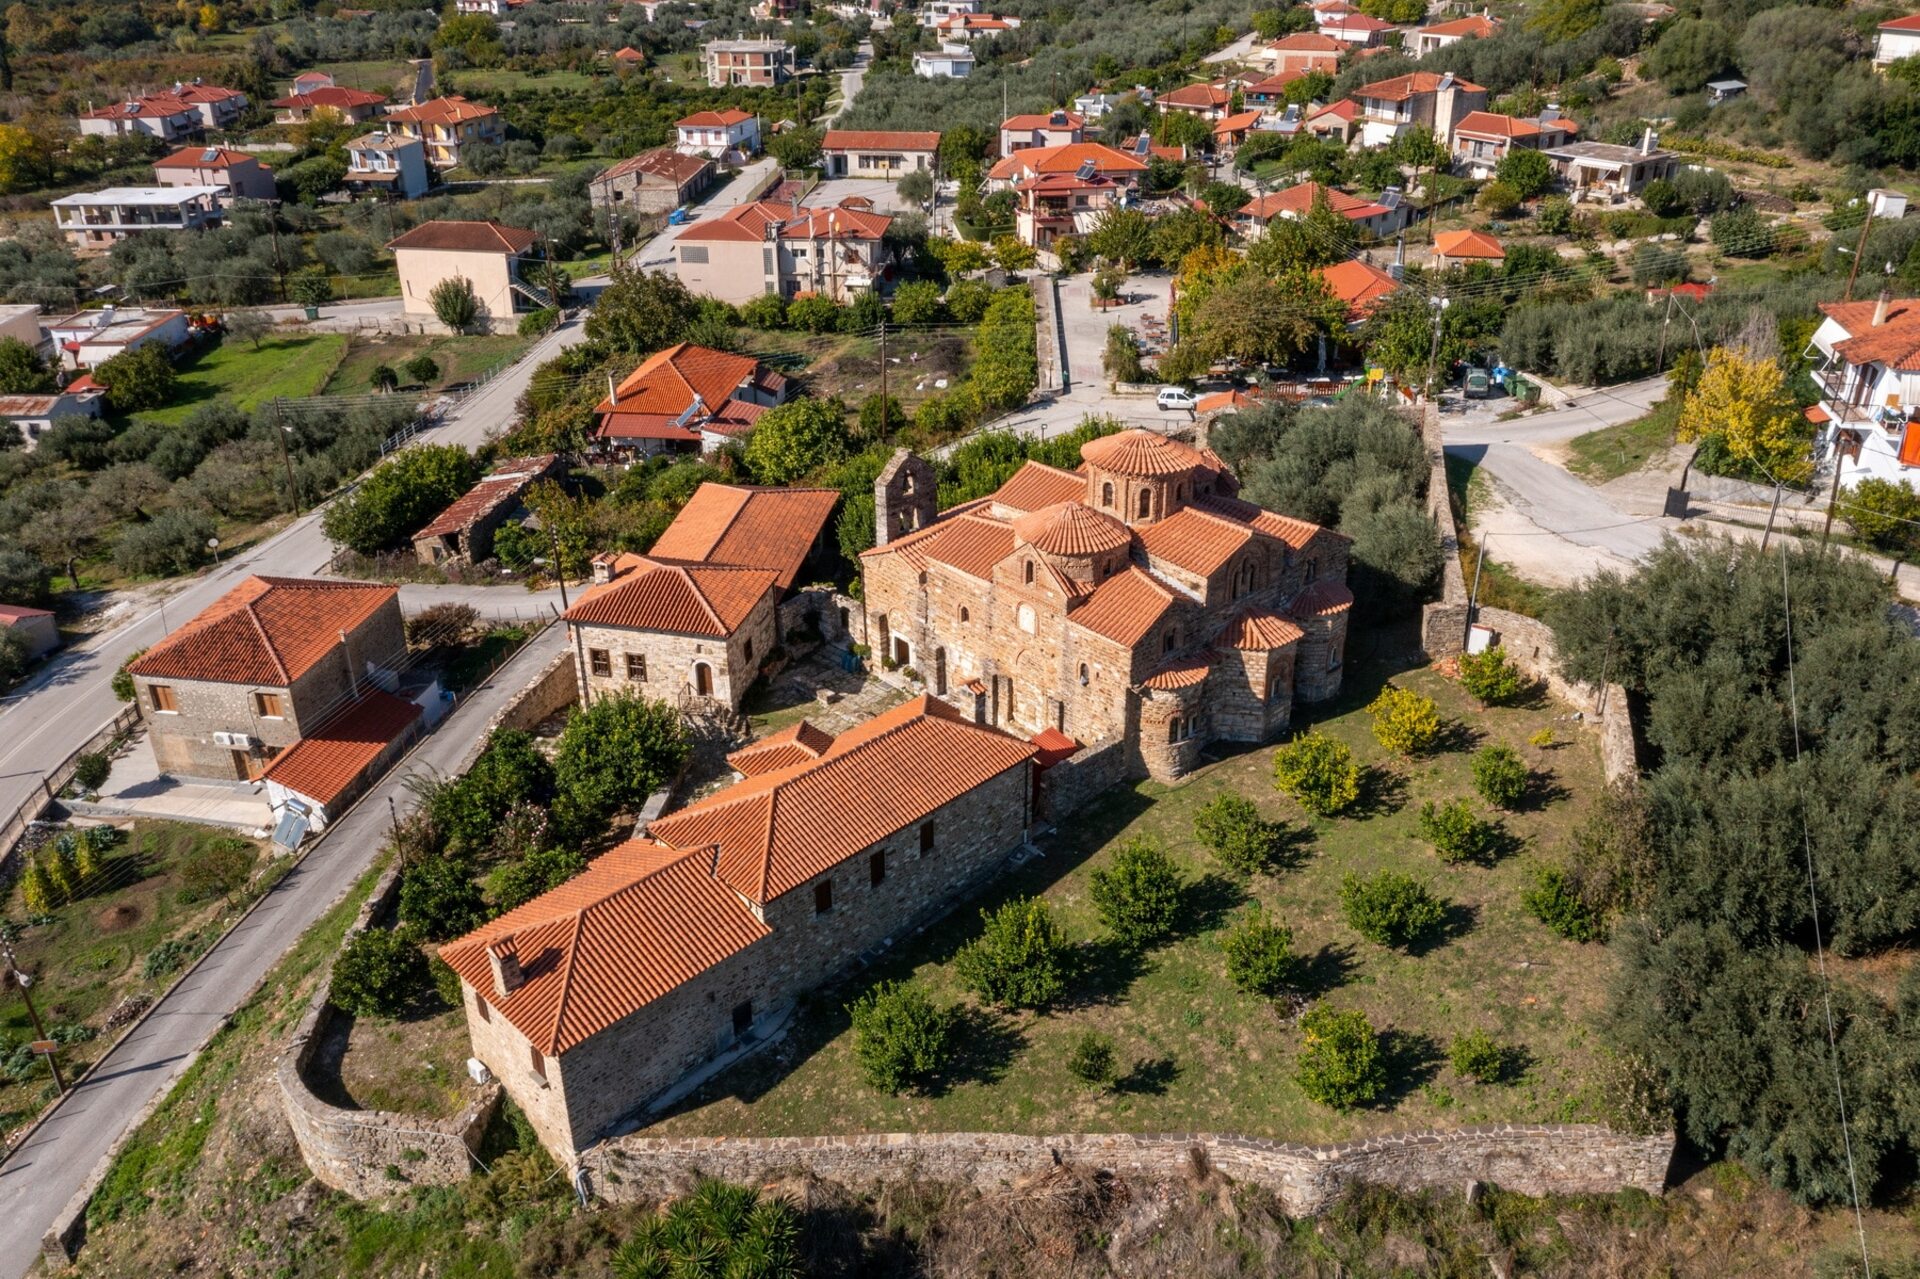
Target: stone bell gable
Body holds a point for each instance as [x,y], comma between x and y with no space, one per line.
[905,497]
[1137,598]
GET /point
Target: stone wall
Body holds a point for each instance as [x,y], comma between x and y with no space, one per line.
[1542,1160]
[551,691]
[369,1154]
[839,619]
[669,662]
[1077,780]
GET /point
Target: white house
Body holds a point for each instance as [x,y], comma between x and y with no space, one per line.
[950,62]
[722,135]
[87,339]
[388,164]
[101,219]
[33,414]
[934,12]
[1868,371]
[1897,39]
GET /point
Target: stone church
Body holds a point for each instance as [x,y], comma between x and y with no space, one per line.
[1136,598]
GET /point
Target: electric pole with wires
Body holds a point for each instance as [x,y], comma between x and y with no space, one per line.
[23,983]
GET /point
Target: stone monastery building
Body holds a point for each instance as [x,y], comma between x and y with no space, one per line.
[1135,598]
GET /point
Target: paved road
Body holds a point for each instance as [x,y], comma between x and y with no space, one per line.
[1238,51]
[657,253]
[850,81]
[40,1177]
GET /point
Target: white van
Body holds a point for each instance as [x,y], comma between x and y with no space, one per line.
[1176,397]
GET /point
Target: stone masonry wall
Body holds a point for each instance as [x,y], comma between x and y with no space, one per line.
[1076,781]
[552,690]
[1542,1160]
[670,659]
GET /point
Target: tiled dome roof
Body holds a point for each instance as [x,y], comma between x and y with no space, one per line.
[1071,528]
[1138,452]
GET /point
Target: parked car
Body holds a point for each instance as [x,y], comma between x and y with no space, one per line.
[1477,384]
[1176,397]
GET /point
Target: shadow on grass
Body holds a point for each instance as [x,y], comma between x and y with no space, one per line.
[1148,1077]
[1325,969]
[1382,791]
[984,1043]
[1455,735]
[1543,789]
[1101,972]
[1412,1059]
[1458,922]
[1207,902]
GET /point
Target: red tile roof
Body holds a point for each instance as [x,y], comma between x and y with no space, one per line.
[638,923]
[146,107]
[749,223]
[878,140]
[1044,121]
[1492,124]
[663,162]
[1068,157]
[323,765]
[1299,200]
[765,528]
[503,484]
[654,400]
[1402,87]
[780,830]
[971,542]
[1196,540]
[205,158]
[331,98]
[1139,452]
[466,237]
[1895,342]
[1295,533]
[1468,244]
[784,749]
[1184,671]
[1053,746]
[1208,96]
[1072,528]
[267,631]
[1357,22]
[1345,109]
[11,613]
[1238,123]
[1126,607]
[714,119]
[1478,24]
[1911,22]
[1036,485]
[1309,42]
[627,53]
[681,599]
[1258,629]
[1322,599]
[448,110]
[1360,285]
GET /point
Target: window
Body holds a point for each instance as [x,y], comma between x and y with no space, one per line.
[1146,503]
[267,706]
[966,615]
[877,869]
[599,662]
[1168,640]
[1312,570]
[162,697]
[637,667]
[1173,729]
[1083,674]
[742,1018]
[747,650]
[926,838]
[693,254]
[823,897]
[1029,572]
[1106,494]
[481,1006]
[539,1064]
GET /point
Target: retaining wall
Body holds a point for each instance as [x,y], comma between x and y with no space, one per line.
[1075,781]
[1542,1160]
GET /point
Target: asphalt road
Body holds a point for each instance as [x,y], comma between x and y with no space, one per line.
[50,1167]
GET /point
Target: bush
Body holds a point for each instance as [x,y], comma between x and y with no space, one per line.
[1478,1057]
[1019,959]
[123,688]
[90,770]
[1390,909]
[1492,676]
[1501,776]
[1555,900]
[1405,722]
[1498,199]
[421,369]
[1139,896]
[534,323]
[1456,832]
[440,900]
[1339,1062]
[899,1037]
[142,378]
[379,974]
[454,303]
[717,1230]
[1245,842]
[917,302]
[174,541]
[616,752]
[446,982]
[768,311]
[1885,512]
[219,869]
[399,496]
[1318,772]
[814,313]
[168,957]
[1092,1060]
[538,871]
[1260,958]
[36,888]
[1555,215]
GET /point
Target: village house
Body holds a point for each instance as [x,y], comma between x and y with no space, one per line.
[765,63]
[318,777]
[1418,100]
[1868,372]
[1355,29]
[1057,204]
[308,81]
[1895,39]
[33,415]
[1337,120]
[1233,130]
[447,126]
[656,181]
[592,999]
[731,136]
[239,175]
[629,58]
[1484,138]
[158,115]
[789,249]
[935,12]
[948,62]
[1054,129]
[775,10]
[686,399]
[1610,173]
[34,626]
[1208,101]
[390,164]
[95,221]
[1094,159]
[878,153]
[497,261]
[265,665]
[215,106]
[463,533]
[1301,52]
[1134,601]
[1376,219]
[1358,286]
[1458,248]
[329,102]
[88,339]
[695,618]
[1425,40]
[965,28]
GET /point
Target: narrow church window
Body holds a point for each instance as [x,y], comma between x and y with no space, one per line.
[1106,494]
[966,615]
[926,838]
[823,897]
[742,1018]
[1146,503]
[1312,570]
[877,869]
[1173,729]
[1167,641]
[1083,673]
[1029,572]
[539,1063]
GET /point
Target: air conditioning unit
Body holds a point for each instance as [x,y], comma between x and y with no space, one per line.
[238,741]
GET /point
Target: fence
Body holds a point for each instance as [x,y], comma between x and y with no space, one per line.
[55,780]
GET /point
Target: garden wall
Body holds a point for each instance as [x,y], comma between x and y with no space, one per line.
[556,687]
[1542,1160]
[1077,780]
[372,1153]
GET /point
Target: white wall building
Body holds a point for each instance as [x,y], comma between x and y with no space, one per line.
[949,62]
[1895,40]
[87,339]
[1869,378]
[100,219]
[721,135]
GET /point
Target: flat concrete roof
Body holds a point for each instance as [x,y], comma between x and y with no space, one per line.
[139,195]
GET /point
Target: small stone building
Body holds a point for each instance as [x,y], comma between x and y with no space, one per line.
[1136,599]
[595,997]
[696,617]
[656,181]
[261,668]
[463,533]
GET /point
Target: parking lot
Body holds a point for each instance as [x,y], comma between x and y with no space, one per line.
[885,196]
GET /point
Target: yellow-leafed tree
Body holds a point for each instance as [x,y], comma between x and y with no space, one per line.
[1746,400]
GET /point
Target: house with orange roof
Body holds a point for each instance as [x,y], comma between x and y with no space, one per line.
[497,261]
[447,126]
[1301,52]
[1357,285]
[1868,373]
[1477,26]
[878,153]
[157,115]
[1895,39]
[685,399]
[693,940]
[240,175]
[731,135]
[463,533]
[1377,218]
[1458,248]
[1232,130]
[329,102]
[1134,602]
[965,28]
[656,181]
[787,249]
[318,778]
[1417,100]
[1208,101]
[1339,119]
[1354,28]
[1050,129]
[695,618]
[763,63]
[1091,158]
[265,666]
[1484,138]
[628,56]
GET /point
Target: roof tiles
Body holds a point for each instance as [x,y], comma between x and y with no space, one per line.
[1126,607]
[466,237]
[323,765]
[267,631]
[763,528]
[682,599]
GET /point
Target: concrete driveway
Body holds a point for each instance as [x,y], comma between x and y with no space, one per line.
[884,194]
[657,254]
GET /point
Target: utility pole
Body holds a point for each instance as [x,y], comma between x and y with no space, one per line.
[1660,360]
[1439,305]
[883,377]
[286,458]
[1774,510]
[559,569]
[23,982]
[1833,497]
[1858,249]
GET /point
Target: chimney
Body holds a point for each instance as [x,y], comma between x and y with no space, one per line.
[1882,304]
[507,976]
[613,392]
[1646,142]
[602,569]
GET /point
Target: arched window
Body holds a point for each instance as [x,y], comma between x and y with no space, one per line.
[906,484]
[1083,674]
[1167,641]
[966,614]
[1312,570]
[1106,494]
[1173,729]
[1146,503]
[1029,572]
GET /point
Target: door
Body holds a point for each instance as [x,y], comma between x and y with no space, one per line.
[703,679]
[246,766]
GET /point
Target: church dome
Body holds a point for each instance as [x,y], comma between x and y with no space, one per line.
[1071,528]
[1140,453]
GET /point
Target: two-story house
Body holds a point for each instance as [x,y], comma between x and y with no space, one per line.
[1208,101]
[262,668]
[1425,40]
[764,247]
[1418,100]
[1053,129]
[329,102]
[764,63]
[495,260]
[158,115]
[95,221]
[1483,138]
[1377,219]
[1301,52]
[216,106]
[1868,372]
[1895,39]
[447,126]
[239,175]
[685,399]
[732,135]
[88,339]
[949,62]
[389,164]
[656,181]
[1091,158]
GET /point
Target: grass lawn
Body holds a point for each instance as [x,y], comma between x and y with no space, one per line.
[1195,1053]
[849,367]
[1613,451]
[391,76]
[460,358]
[132,934]
[416,1065]
[291,366]
[495,84]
